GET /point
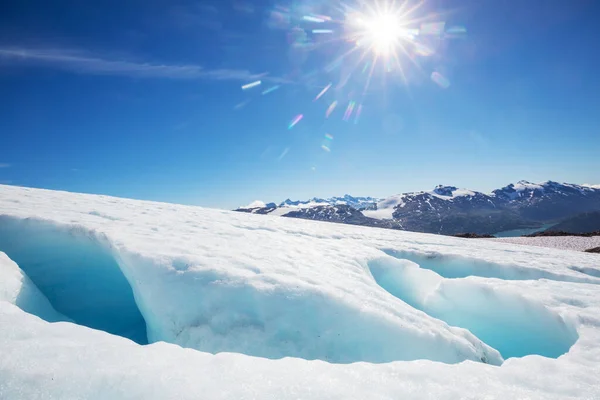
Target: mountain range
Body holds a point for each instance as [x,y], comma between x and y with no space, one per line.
[447,209]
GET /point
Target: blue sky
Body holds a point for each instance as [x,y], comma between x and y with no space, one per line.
[143,99]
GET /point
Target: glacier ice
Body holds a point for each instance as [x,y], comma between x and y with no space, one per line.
[502,318]
[18,289]
[75,273]
[219,312]
[456,266]
[237,306]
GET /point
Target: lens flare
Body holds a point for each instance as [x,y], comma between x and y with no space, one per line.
[330,109]
[251,85]
[358,112]
[440,79]
[296,119]
[349,110]
[270,90]
[322,92]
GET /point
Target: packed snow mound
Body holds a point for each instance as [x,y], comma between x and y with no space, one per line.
[279,308]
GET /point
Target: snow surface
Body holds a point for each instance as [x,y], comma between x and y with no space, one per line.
[239,306]
[578,243]
[283,210]
[386,207]
[525,185]
[454,192]
[255,204]
[18,289]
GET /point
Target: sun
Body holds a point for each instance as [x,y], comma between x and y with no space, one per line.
[383,31]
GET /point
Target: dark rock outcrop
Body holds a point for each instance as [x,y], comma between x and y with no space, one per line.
[473,236]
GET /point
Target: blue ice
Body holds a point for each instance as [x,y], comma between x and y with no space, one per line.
[77,274]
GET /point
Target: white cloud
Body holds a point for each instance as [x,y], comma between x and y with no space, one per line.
[592,186]
[4,165]
[75,61]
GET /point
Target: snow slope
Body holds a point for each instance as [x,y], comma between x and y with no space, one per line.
[386,207]
[243,306]
[577,243]
[255,204]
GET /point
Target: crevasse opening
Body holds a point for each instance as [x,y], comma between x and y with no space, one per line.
[454,266]
[512,324]
[77,274]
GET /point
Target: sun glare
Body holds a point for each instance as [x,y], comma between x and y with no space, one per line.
[383,33]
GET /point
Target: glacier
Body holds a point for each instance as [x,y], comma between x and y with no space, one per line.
[102,297]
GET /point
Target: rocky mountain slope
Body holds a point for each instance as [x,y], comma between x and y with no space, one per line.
[585,222]
[448,209]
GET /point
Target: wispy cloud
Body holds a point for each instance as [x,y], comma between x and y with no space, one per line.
[4,165]
[78,62]
[283,154]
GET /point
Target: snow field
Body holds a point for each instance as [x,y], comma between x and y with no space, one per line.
[279,308]
[577,243]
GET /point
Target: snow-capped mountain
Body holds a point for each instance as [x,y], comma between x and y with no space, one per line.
[358,203]
[550,200]
[450,210]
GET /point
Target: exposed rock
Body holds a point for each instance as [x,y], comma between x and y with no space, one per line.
[473,236]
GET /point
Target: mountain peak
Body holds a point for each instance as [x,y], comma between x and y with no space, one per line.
[444,190]
[255,204]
